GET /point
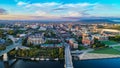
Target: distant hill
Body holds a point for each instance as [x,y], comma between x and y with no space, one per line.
[86,20]
[96,21]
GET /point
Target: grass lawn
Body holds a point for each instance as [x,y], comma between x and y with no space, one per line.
[117,48]
[81,48]
[106,51]
[108,43]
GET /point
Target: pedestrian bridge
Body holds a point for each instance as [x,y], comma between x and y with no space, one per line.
[68,57]
[10,47]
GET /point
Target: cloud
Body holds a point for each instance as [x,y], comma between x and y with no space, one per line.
[78,5]
[64,10]
[105,10]
[41,13]
[103,7]
[3,11]
[20,3]
[74,14]
[40,5]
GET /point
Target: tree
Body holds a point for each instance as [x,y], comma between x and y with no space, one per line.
[97,44]
[115,38]
[11,32]
[81,47]
[8,42]
[2,47]
[24,42]
[61,53]
[1,33]
[79,40]
[13,52]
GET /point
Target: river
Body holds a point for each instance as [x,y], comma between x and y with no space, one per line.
[99,63]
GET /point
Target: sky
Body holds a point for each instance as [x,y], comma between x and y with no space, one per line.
[57,9]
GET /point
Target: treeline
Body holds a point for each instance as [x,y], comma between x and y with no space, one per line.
[98,44]
[115,38]
[39,52]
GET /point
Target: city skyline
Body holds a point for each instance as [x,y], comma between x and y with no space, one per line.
[57,9]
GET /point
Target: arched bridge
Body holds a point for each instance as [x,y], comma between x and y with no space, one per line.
[10,47]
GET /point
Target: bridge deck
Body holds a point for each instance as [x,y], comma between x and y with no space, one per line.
[11,47]
[68,57]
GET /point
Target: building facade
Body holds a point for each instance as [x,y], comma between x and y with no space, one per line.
[36,39]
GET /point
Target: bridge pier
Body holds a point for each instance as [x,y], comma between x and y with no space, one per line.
[64,65]
[5,57]
[16,48]
[6,64]
[67,67]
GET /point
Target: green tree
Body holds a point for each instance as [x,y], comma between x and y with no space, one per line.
[115,38]
[2,47]
[97,44]
[61,53]
[79,40]
[24,42]
[1,33]
[11,32]
[13,52]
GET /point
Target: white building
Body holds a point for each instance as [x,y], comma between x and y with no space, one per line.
[42,28]
[22,35]
[36,39]
[34,26]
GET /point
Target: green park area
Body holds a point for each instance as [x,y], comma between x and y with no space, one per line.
[117,47]
[109,43]
[106,51]
[115,50]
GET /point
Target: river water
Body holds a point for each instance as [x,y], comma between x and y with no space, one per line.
[99,63]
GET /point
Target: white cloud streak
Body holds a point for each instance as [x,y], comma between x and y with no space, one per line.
[64,10]
[21,3]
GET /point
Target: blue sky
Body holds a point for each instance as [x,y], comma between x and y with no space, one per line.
[31,9]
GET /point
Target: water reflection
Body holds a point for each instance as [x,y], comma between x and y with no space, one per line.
[101,63]
[6,64]
[38,64]
[32,64]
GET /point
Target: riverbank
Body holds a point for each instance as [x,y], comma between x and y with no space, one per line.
[97,56]
[39,59]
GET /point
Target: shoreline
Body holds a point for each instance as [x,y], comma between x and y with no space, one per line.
[98,59]
[92,56]
[39,59]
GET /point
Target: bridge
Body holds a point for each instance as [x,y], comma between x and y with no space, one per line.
[68,56]
[10,47]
